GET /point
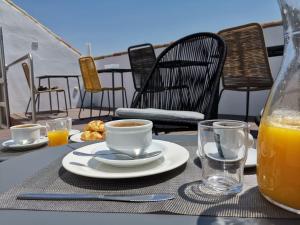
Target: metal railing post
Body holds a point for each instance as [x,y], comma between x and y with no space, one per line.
[4,89]
[32,89]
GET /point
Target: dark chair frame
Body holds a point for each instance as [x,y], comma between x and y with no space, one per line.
[212,107]
[144,56]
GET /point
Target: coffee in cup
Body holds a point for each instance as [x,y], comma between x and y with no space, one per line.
[130,136]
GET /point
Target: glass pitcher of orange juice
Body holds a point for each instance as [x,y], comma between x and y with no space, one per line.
[278,146]
[57,131]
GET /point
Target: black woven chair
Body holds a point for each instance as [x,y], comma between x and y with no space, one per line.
[196,62]
[142,59]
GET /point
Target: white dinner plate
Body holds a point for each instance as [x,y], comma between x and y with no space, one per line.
[114,161]
[173,157]
[38,143]
[251,157]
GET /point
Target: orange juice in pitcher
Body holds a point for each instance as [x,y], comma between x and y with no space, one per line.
[278,165]
[278,169]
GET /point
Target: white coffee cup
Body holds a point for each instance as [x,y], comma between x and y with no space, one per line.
[26,133]
[230,138]
[130,136]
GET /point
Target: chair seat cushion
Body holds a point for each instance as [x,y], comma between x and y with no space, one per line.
[159,114]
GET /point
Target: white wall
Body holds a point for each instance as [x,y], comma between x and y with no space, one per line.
[51,57]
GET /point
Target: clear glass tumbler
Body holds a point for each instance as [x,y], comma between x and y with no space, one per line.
[222,146]
[57,131]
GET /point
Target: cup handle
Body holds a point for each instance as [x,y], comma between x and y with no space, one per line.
[250,139]
[43,127]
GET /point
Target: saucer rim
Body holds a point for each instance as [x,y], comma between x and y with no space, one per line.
[132,162]
[41,141]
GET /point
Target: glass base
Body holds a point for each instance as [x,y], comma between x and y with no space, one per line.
[297,211]
[222,185]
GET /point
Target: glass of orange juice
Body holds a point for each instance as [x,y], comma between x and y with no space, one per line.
[57,131]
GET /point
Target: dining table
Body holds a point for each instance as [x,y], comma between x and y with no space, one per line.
[113,71]
[60,76]
[26,167]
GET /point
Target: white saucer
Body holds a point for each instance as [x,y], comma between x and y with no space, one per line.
[251,160]
[11,144]
[73,132]
[114,161]
[173,157]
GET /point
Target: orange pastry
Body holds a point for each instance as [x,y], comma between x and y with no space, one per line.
[92,136]
[95,125]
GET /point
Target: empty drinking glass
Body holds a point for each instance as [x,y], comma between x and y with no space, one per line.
[222,146]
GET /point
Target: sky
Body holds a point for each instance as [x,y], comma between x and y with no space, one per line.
[113,25]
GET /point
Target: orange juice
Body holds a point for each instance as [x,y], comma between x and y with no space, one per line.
[278,169]
[58,137]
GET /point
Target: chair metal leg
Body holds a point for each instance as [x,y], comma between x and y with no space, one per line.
[66,105]
[102,95]
[91,105]
[37,99]
[26,111]
[123,101]
[81,104]
[57,101]
[134,93]
[247,104]
[108,102]
[220,95]
[126,98]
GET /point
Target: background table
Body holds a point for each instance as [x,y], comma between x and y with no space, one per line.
[14,171]
[113,71]
[48,77]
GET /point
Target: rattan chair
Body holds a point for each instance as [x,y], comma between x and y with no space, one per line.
[246,67]
[93,84]
[38,92]
[182,87]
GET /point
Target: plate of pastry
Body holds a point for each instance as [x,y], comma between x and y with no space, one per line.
[93,131]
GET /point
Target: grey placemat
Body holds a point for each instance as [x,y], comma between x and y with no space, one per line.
[183,182]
